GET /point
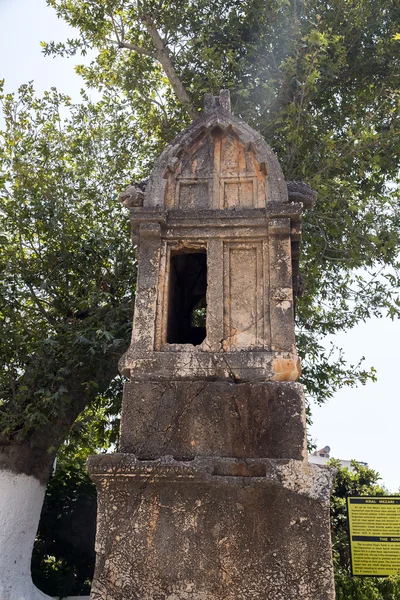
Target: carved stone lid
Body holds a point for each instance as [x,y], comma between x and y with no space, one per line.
[217,120]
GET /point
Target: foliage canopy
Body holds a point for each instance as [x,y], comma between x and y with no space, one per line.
[319,81]
[68,268]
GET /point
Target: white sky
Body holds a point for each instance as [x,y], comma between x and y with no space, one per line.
[361,423]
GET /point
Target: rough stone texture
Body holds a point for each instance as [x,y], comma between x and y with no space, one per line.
[195,364]
[209,530]
[249,296]
[216,144]
[213,419]
[299,191]
[212,497]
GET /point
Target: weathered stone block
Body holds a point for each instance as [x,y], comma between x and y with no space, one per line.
[217,193]
[188,419]
[209,530]
[192,364]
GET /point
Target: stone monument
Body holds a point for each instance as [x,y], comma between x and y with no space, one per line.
[211,496]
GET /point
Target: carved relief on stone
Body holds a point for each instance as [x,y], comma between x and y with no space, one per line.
[217,171]
[215,234]
[134,194]
[244,294]
[211,495]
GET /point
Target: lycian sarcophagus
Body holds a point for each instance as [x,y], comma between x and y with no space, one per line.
[211,496]
[218,242]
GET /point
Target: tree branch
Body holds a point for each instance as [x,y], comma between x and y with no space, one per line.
[120,41]
[136,48]
[156,102]
[38,303]
[163,56]
[133,47]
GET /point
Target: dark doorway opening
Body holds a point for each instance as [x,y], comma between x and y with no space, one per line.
[187,298]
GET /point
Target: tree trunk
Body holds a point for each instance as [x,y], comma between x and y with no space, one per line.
[25,466]
[24,471]
[164,57]
[21,500]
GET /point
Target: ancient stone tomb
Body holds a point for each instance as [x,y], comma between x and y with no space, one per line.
[211,495]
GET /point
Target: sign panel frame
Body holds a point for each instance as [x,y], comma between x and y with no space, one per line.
[366,522]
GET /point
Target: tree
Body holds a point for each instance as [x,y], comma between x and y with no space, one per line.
[66,293]
[63,555]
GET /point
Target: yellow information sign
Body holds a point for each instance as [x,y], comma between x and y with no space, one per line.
[374,527]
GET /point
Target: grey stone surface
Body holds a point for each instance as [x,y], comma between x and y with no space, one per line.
[299,191]
[193,364]
[208,529]
[215,120]
[216,190]
[213,419]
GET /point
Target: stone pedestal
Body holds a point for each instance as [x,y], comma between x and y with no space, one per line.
[200,507]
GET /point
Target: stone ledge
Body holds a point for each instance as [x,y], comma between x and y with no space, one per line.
[208,222]
[304,478]
[299,191]
[212,535]
[193,364]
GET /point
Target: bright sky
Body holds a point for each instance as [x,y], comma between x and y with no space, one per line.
[360,423]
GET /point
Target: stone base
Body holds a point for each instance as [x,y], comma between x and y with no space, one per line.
[213,418]
[212,529]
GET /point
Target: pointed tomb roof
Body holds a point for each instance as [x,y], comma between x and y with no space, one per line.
[195,157]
